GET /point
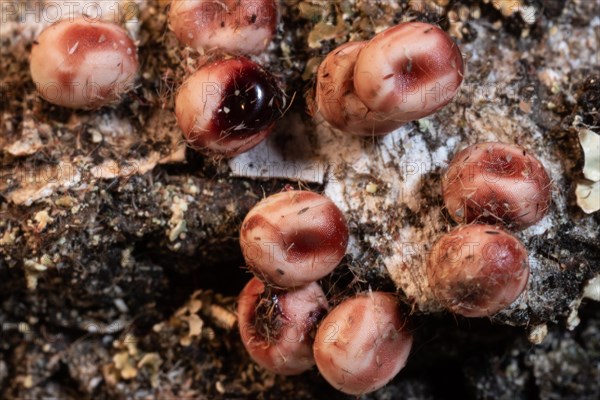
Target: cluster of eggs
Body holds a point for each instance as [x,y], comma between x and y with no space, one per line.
[402,74]
[479,268]
[292,239]
[231,103]
[227,106]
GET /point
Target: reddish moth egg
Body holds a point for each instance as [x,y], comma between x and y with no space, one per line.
[496,183]
[408,71]
[236,26]
[294,238]
[336,99]
[228,106]
[362,343]
[477,270]
[277,326]
[81,64]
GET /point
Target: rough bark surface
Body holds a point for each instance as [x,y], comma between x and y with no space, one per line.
[119,259]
